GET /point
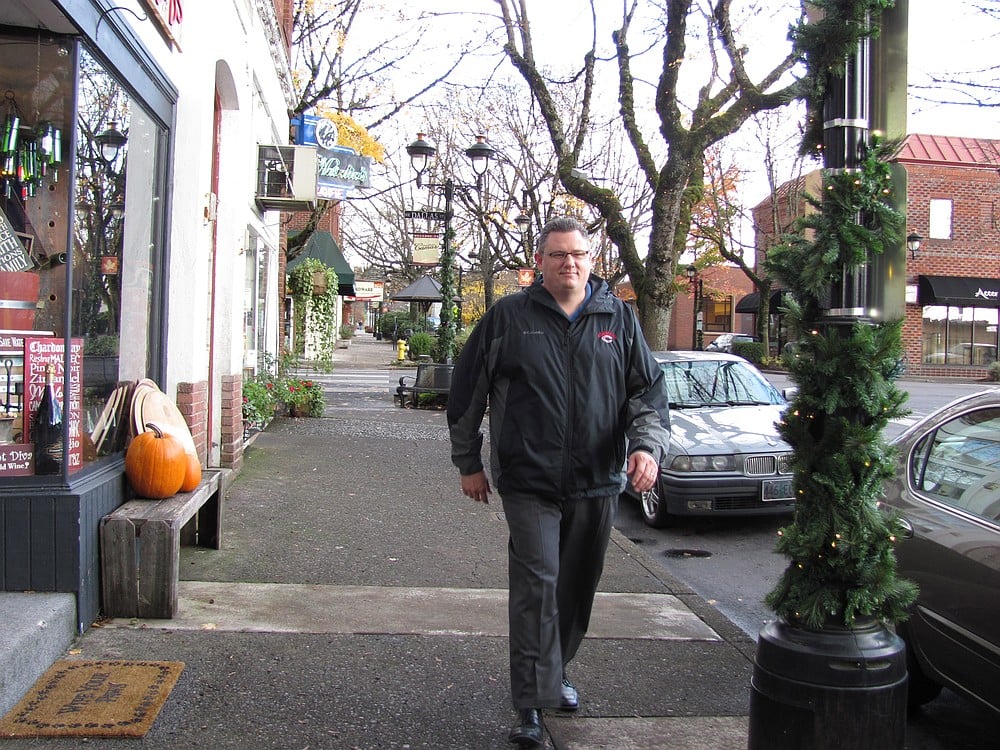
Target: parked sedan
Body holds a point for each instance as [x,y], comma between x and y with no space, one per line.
[947,493]
[726,456]
[725,341]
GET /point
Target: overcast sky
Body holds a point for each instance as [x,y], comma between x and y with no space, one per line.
[951,37]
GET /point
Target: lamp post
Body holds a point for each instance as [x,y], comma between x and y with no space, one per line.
[421,152]
[913,241]
[698,324]
[111,142]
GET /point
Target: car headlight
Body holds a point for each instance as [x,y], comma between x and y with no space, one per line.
[784,463]
[704,463]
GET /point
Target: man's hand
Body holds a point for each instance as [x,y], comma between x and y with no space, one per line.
[477,486]
[643,471]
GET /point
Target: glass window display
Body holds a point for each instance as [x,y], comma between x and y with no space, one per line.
[81,188]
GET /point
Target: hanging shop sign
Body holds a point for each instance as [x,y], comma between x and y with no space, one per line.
[339,170]
[369,291]
[109,265]
[525,276]
[168,15]
[426,248]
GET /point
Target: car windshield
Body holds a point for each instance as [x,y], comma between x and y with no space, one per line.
[716,383]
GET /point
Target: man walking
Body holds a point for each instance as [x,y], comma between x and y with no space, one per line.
[568,379]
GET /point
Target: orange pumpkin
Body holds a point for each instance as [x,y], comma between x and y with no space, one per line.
[155,464]
[192,473]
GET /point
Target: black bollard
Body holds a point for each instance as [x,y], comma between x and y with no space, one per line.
[829,689]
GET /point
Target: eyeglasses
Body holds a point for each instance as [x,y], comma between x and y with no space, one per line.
[560,256]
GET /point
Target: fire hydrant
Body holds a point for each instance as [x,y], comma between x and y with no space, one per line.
[401,350]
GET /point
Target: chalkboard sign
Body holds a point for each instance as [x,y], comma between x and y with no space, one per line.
[12,254]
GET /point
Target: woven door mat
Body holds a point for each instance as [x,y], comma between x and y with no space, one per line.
[84,698]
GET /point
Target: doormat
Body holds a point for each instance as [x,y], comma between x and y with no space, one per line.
[83,698]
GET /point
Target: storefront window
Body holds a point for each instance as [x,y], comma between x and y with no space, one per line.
[719,314]
[80,227]
[117,224]
[959,335]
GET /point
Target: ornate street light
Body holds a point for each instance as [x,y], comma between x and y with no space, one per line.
[913,241]
[421,153]
[111,142]
[697,285]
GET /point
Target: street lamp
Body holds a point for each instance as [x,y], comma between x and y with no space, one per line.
[913,241]
[111,142]
[421,152]
[698,326]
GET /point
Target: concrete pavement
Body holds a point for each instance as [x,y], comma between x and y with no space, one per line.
[359,601]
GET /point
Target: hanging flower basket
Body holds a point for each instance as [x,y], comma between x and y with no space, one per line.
[319,283]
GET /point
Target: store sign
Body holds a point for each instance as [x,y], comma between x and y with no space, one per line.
[339,169]
[39,353]
[426,248]
[12,254]
[168,15]
[525,276]
[369,291]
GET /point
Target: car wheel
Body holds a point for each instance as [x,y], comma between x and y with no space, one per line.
[921,689]
[654,510]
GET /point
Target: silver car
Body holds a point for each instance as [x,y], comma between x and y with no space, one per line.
[726,456]
[947,493]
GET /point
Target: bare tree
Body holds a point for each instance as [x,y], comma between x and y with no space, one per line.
[727,98]
[973,87]
[365,72]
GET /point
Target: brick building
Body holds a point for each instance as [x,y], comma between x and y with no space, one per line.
[953,279]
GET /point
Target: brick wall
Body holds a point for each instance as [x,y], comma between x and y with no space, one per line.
[973,249]
[231,439]
[192,402]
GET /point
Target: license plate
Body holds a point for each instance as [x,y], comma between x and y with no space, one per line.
[776,489]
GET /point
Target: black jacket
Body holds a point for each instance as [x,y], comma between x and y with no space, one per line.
[563,396]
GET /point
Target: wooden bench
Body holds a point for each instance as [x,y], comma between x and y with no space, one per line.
[140,547]
[430,379]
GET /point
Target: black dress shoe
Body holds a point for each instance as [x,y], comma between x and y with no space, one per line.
[570,699]
[528,730]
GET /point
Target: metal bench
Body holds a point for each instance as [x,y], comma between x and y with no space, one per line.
[431,379]
[140,547]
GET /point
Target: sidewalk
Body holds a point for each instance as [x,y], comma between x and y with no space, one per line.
[359,601]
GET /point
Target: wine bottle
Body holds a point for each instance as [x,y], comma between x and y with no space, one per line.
[48,430]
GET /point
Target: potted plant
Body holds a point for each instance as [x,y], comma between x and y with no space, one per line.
[258,405]
[346,334]
[304,398]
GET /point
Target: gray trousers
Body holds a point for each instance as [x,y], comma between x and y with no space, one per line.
[555,560]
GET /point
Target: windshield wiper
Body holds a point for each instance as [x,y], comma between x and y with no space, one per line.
[747,402]
[687,404]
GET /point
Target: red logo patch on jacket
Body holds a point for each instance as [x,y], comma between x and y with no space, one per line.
[608,337]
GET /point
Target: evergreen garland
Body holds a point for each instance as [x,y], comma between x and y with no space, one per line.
[825,40]
[840,544]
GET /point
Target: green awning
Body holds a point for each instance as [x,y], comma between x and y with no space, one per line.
[324,248]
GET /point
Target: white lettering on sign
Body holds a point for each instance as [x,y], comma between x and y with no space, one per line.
[988,293]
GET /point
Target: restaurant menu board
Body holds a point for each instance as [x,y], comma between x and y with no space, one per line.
[39,353]
[12,254]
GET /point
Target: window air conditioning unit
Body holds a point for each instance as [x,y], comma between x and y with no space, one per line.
[286,177]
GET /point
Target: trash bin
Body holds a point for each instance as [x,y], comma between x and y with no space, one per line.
[830,689]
